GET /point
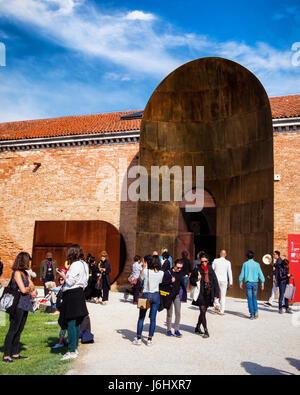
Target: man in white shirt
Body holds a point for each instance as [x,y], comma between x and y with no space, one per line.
[222,268]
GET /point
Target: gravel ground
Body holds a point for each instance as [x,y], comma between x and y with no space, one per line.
[269,345]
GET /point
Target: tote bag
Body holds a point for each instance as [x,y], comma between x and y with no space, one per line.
[195,293]
[290,291]
[10,298]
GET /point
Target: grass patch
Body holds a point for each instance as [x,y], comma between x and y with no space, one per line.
[36,342]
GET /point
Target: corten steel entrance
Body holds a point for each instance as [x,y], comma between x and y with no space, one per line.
[214,113]
[197,230]
[93,236]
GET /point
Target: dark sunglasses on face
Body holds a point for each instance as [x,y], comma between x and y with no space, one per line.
[203,261]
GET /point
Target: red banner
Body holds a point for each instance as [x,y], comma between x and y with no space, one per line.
[294,258]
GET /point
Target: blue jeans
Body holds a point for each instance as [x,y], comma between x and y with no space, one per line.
[251,292]
[155,302]
[186,280]
[282,287]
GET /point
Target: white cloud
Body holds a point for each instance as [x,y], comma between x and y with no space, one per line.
[127,41]
[135,42]
[122,39]
[139,15]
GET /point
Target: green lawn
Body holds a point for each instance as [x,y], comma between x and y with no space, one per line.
[36,342]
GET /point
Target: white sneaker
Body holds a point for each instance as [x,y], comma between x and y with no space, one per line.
[69,355]
[137,342]
[149,342]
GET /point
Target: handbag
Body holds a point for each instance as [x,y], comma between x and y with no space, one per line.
[59,297]
[10,298]
[195,293]
[144,303]
[290,291]
[132,280]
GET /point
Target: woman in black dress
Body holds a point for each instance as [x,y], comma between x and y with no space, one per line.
[105,269]
[209,291]
[93,288]
[20,281]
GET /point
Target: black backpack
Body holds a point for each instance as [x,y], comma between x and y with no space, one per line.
[167,295]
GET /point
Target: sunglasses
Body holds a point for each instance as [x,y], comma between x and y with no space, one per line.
[203,261]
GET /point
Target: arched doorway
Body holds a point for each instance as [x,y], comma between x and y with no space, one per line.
[93,236]
[197,230]
[213,113]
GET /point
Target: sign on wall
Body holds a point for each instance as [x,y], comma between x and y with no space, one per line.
[294,258]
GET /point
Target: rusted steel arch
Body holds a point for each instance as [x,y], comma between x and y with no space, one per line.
[212,112]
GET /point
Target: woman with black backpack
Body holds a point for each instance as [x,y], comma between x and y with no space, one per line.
[209,291]
[21,282]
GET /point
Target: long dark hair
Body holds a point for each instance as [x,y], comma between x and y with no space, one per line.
[22,261]
[155,263]
[75,253]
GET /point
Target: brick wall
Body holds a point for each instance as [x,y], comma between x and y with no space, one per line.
[63,188]
[287,190]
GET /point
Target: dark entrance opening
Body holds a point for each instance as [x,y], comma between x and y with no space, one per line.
[203,227]
[197,230]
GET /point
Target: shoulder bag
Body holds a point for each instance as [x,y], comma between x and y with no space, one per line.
[290,291]
[144,303]
[10,298]
[132,280]
[167,295]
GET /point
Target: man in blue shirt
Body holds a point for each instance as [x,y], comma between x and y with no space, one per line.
[252,272]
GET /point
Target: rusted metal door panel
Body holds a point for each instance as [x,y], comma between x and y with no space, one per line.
[49,232]
[93,236]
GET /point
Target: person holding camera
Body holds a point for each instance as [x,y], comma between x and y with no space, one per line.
[73,307]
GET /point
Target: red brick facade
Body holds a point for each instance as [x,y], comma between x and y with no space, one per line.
[63,188]
[287,190]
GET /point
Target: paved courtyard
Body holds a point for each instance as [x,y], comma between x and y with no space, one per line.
[269,345]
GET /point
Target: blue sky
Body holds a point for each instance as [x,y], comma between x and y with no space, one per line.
[73,57]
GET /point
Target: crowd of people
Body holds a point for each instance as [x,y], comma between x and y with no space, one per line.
[158,284]
[209,282]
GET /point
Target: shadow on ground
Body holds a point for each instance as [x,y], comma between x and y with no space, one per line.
[255,369]
[294,362]
[130,335]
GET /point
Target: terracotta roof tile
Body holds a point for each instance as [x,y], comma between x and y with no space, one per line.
[285,106]
[282,107]
[72,125]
